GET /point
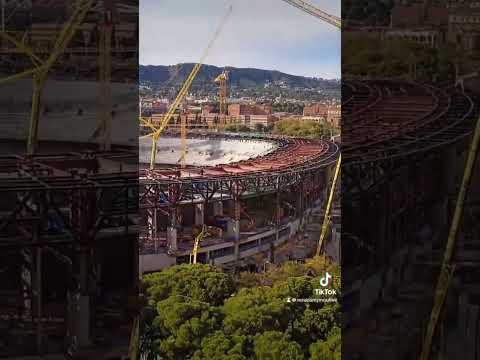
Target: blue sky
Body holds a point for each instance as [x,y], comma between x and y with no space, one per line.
[265,34]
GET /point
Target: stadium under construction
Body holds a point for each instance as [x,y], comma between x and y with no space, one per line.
[253,193]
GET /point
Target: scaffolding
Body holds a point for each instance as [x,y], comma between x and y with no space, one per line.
[62,206]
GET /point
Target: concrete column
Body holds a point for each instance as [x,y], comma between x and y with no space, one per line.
[172,238]
[233,226]
[172,241]
[300,201]
[82,329]
[152,222]
[218,208]
[199,214]
[233,234]
[83,260]
[233,229]
[26,276]
[38,297]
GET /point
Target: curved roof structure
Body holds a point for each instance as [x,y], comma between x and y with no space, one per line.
[290,155]
[383,119]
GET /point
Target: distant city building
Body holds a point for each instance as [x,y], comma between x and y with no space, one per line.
[430,38]
[414,15]
[334,116]
[455,22]
[208,109]
[464,26]
[323,113]
[264,120]
[319,119]
[318,109]
[245,109]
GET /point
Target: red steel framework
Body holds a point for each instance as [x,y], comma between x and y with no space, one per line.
[61,205]
[299,165]
[387,119]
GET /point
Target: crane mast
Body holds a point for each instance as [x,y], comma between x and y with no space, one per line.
[203,234]
[222,81]
[326,220]
[42,66]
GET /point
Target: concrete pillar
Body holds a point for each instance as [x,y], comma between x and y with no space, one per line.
[27,264]
[152,222]
[233,229]
[78,330]
[199,214]
[38,297]
[233,225]
[300,201]
[218,208]
[82,328]
[83,260]
[172,238]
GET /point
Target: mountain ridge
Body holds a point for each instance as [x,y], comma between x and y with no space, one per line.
[173,75]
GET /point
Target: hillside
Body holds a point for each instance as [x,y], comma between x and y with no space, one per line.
[160,75]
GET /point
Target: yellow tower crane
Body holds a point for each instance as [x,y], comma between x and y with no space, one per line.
[337,22]
[327,218]
[312,10]
[183,133]
[448,267]
[157,131]
[222,95]
[43,66]
[202,235]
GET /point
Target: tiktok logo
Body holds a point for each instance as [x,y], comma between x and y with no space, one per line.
[325,280]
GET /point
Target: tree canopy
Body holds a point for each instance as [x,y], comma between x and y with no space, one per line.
[200,312]
[303,128]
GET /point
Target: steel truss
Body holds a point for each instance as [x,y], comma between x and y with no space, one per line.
[166,190]
[60,205]
[374,132]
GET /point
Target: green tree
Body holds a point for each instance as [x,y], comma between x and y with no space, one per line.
[183,325]
[199,282]
[329,349]
[193,313]
[252,311]
[301,128]
[218,347]
[274,345]
[315,324]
